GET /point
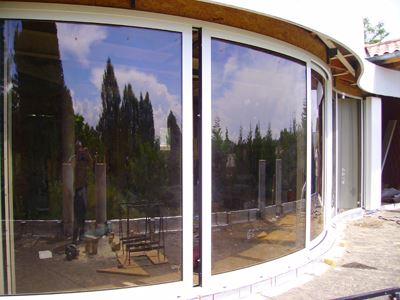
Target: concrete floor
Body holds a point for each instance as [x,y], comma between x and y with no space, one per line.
[365,258]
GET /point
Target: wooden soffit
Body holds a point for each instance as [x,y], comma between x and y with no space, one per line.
[344,67]
[203,11]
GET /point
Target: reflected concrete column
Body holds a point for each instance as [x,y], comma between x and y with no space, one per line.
[101,196]
[261,186]
[68,198]
[278,186]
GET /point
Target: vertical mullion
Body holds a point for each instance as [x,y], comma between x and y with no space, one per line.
[308,159]
[8,190]
[361,166]
[328,138]
[197,144]
[2,188]
[206,159]
[187,159]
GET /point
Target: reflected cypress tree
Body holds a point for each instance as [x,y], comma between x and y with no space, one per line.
[40,96]
[146,120]
[288,154]
[250,162]
[129,121]
[218,164]
[257,151]
[269,146]
[128,128]
[174,160]
[108,125]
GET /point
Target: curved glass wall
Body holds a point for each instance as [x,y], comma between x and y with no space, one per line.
[95,124]
[317,127]
[259,116]
[94,166]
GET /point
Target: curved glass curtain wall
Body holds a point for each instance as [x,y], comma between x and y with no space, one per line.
[259,125]
[317,153]
[96,155]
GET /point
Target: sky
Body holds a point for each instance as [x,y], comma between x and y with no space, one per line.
[251,87]
[151,61]
[387,11]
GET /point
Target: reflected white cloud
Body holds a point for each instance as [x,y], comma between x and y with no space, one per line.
[256,87]
[89,109]
[230,67]
[78,39]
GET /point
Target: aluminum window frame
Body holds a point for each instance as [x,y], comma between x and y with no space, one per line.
[112,16]
[265,270]
[327,142]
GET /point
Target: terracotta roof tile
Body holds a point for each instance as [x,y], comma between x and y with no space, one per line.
[382,48]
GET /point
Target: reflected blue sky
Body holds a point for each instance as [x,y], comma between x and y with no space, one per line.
[251,86]
[148,59]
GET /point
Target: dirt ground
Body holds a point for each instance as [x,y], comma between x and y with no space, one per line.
[370,261]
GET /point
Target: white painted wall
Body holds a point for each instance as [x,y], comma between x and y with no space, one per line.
[372,154]
[379,80]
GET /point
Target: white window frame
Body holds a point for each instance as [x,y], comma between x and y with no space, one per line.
[262,271]
[327,159]
[109,16]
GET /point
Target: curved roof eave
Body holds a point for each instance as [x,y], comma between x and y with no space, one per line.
[341,23]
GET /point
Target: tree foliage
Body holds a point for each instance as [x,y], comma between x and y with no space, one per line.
[374,33]
[235,165]
[46,127]
[108,126]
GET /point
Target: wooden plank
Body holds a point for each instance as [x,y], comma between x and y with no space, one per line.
[387,139]
[345,62]
[347,88]
[132,269]
[345,55]
[156,258]
[340,74]
[339,56]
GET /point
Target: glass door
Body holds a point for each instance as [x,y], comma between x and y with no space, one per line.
[349,148]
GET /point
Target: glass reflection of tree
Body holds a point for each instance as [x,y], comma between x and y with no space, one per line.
[135,163]
[235,165]
[45,128]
